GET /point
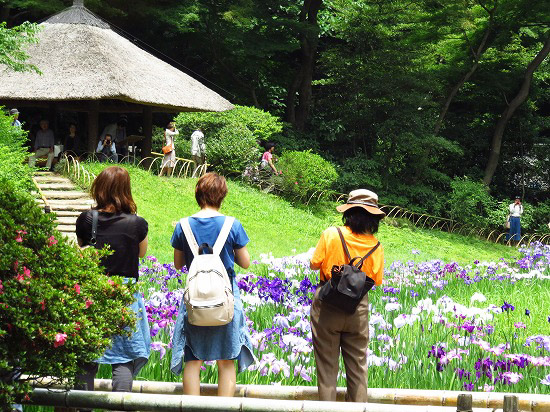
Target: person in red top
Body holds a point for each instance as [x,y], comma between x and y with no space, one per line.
[267,158]
[333,329]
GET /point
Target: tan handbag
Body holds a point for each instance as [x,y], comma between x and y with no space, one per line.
[507,224]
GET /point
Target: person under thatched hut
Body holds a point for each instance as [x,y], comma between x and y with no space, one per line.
[118,132]
[15,114]
[71,144]
[43,144]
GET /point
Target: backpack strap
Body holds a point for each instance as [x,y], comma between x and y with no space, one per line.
[344,243]
[191,240]
[95,218]
[360,263]
[224,233]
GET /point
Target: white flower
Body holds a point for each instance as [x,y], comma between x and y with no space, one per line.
[477,297]
[392,306]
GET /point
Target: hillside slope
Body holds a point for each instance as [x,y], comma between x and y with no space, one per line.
[275,226]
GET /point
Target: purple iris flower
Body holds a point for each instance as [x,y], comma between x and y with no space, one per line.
[508,307]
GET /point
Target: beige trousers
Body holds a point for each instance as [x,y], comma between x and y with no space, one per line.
[41,152]
[334,331]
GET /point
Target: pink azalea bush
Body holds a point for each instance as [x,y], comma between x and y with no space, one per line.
[57,308]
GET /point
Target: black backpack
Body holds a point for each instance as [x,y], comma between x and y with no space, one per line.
[348,284]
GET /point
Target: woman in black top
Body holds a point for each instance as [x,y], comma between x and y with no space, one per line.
[71,145]
[126,233]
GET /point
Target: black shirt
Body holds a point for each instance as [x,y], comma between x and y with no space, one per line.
[122,232]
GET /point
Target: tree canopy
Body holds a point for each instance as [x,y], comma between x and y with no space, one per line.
[403,95]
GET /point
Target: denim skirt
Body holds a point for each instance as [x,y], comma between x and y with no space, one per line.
[208,343]
[135,348]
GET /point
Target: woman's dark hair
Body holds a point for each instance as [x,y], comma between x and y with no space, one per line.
[211,189]
[269,145]
[112,192]
[360,221]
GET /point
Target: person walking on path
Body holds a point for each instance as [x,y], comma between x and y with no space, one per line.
[43,144]
[334,330]
[169,160]
[192,345]
[119,227]
[198,149]
[15,114]
[516,209]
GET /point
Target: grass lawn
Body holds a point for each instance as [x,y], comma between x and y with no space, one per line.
[275,226]
[427,303]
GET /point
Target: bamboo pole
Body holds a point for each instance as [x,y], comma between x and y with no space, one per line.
[494,400]
[185,403]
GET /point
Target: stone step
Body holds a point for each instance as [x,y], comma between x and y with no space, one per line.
[67,213]
[66,228]
[52,179]
[44,173]
[66,220]
[59,186]
[65,195]
[57,206]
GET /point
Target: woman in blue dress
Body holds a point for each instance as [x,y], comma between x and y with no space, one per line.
[192,344]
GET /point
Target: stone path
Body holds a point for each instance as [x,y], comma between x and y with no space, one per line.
[65,199]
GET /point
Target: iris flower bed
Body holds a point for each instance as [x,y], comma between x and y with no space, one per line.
[433,324]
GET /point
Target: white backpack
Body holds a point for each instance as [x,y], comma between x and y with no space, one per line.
[208,294]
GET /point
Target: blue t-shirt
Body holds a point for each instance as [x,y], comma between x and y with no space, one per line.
[206,230]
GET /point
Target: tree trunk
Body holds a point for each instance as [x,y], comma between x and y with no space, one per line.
[298,107]
[454,91]
[520,97]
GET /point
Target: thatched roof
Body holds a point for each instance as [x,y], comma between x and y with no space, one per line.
[81,58]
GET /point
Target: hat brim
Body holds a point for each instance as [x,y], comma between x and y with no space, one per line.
[370,209]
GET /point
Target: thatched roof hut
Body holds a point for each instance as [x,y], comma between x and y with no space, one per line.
[86,66]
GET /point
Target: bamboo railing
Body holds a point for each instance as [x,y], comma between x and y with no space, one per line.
[380,396]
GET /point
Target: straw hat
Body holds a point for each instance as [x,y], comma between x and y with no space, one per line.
[362,198]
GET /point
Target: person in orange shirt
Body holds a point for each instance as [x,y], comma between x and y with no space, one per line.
[333,329]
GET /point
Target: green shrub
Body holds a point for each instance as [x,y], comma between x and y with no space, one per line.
[262,124]
[497,217]
[231,148]
[471,203]
[231,137]
[13,153]
[305,175]
[541,217]
[57,308]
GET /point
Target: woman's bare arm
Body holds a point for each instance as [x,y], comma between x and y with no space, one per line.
[143,246]
[242,257]
[179,259]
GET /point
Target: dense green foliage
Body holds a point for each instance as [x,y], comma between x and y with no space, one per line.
[231,137]
[12,41]
[13,153]
[402,96]
[305,175]
[57,308]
